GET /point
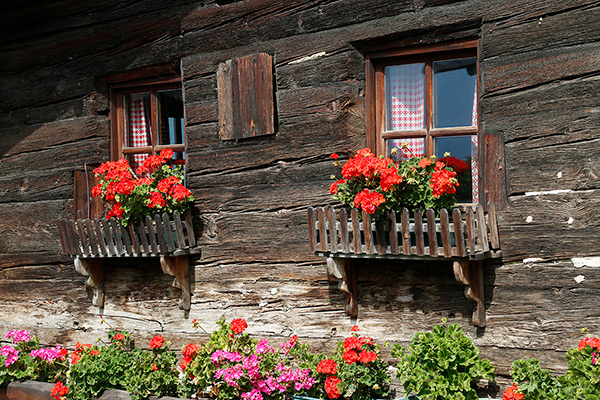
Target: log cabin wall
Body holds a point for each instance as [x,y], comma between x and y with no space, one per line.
[540,79]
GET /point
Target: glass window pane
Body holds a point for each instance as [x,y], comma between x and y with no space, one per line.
[137,120]
[463,160]
[405,97]
[170,115]
[455,93]
[413,147]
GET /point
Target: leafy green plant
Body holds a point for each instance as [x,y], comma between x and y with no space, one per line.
[26,359]
[580,382]
[355,371]
[441,364]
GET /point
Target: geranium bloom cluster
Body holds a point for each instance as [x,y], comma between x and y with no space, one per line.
[376,185]
[355,361]
[154,187]
[513,393]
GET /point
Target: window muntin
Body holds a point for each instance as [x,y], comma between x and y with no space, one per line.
[426,104]
[148,119]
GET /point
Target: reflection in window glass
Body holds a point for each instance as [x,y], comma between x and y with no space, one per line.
[403,149]
[463,160]
[405,97]
[454,93]
[170,113]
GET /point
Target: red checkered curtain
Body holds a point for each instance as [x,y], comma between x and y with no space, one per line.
[406,107]
[475,153]
[139,128]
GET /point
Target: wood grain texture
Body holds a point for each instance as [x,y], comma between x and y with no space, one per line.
[539,104]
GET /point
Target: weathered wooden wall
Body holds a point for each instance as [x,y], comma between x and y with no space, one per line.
[540,69]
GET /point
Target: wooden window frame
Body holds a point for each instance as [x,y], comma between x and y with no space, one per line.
[118,148]
[491,149]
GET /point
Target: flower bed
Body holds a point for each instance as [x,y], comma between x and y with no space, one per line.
[438,365]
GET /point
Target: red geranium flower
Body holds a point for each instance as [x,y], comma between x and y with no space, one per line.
[156,342]
[327,366]
[424,162]
[59,390]
[238,325]
[367,356]
[350,356]
[119,337]
[368,200]
[354,328]
[334,156]
[331,387]
[589,341]
[333,188]
[513,393]
[156,200]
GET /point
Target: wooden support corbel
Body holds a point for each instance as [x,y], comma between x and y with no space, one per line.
[344,270]
[470,273]
[179,267]
[92,268]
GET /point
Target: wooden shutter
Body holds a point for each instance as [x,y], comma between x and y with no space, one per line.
[245,95]
[90,207]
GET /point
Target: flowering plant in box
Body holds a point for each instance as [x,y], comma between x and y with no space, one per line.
[355,371]
[154,187]
[377,184]
[234,366]
[26,359]
[581,381]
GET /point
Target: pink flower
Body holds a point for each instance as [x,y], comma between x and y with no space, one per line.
[19,336]
[11,355]
[263,346]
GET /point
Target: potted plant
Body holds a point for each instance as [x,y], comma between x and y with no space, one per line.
[378,184]
[354,371]
[441,364]
[154,187]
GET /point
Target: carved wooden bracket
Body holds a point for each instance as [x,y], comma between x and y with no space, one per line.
[176,266]
[179,267]
[470,273]
[92,268]
[343,270]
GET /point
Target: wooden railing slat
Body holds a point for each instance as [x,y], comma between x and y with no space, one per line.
[151,235]
[482,228]
[85,248]
[159,234]
[143,237]
[418,228]
[405,223]
[168,232]
[115,228]
[393,232]
[92,236]
[322,245]
[445,226]
[432,233]
[344,231]
[109,238]
[356,232]
[470,222]
[135,243]
[179,231]
[458,233]
[331,222]
[101,244]
[311,229]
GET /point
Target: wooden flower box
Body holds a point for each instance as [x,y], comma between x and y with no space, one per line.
[90,241]
[466,237]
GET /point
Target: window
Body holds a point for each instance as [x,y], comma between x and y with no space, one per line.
[424,102]
[148,117]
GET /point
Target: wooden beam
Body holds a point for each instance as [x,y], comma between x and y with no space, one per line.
[345,271]
[93,269]
[470,273]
